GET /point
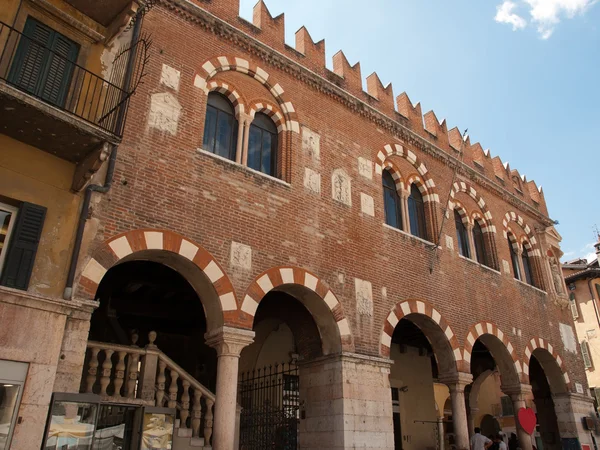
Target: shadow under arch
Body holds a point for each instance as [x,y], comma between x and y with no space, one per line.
[553,371]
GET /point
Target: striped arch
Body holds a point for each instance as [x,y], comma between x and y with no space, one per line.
[482,329]
[420,183]
[225,63]
[537,343]
[462,186]
[512,238]
[462,212]
[228,91]
[271,111]
[513,217]
[396,175]
[279,276]
[420,307]
[397,149]
[120,246]
[477,217]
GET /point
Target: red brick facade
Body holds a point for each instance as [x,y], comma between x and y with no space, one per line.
[166,186]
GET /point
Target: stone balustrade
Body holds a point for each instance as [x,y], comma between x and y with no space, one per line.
[147,376]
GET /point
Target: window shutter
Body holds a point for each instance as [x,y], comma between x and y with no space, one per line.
[59,70]
[574,310]
[585,352]
[23,246]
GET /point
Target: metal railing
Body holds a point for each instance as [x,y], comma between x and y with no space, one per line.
[56,79]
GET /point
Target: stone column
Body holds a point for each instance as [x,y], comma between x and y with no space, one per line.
[570,408]
[229,343]
[404,206]
[518,395]
[240,139]
[472,249]
[441,437]
[457,383]
[247,122]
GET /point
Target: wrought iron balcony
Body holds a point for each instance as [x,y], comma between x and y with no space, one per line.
[49,101]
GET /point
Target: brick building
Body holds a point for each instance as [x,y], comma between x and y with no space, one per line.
[360,269]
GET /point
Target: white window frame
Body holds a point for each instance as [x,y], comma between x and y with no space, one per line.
[13,372]
[14,211]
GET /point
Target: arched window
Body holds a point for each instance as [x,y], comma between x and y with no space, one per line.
[220,127]
[479,244]
[416,213]
[391,201]
[461,235]
[514,259]
[262,145]
[527,266]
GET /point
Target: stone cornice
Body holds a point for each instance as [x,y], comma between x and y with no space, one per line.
[276,59]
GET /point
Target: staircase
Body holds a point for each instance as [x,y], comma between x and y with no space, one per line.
[148,377]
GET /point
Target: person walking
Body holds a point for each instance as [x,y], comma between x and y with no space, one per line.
[479,441]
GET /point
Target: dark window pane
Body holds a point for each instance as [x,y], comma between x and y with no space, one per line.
[254,148]
[527,267]
[220,127]
[224,135]
[210,126]
[416,213]
[266,153]
[461,235]
[391,201]
[479,244]
[514,260]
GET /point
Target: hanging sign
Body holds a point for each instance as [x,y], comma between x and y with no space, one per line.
[527,419]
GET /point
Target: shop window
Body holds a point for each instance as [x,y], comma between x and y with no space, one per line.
[220,127]
[479,244]
[12,378]
[391,201]
[262,145]
[20,231]
[461,235]
[416,213]
[44,63]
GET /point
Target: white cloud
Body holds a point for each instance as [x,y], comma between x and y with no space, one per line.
[505,14]
[545,14]
[590,257]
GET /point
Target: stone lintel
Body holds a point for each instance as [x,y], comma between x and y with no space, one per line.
[78,308]
[229,341]
[456,381]
[356,358]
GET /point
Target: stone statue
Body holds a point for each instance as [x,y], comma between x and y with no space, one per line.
[556,277]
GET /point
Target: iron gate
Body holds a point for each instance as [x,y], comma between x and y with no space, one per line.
[270,400]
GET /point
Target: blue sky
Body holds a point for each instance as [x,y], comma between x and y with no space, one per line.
[523,76]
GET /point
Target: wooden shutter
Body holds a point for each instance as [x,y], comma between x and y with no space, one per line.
[59,70]
[585,352]
[23,246]
[574,310]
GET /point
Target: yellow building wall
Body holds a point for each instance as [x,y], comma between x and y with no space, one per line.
[588,329]
[418,402]
[31,175]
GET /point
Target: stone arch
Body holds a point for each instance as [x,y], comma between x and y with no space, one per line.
[513,217]
[434,326]
[462,212]
[230,92]
[396,175]
[420,183]
[476,387]
[551,362]
[321,302]
[510,235]
[467,188]
[414,160]
[271,111]
[500,347]
[146,243]
[225,63]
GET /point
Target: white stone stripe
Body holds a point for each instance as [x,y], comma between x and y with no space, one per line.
[393,319]
[94,271]
[310,281]
[154,240]
[528,353]
[344,327]
[208,66]
[249,305]
[261,75]
[457,354]
[490,328]
[405,308]
[550,348]
[479,329]
[526,369]
[228,302]
[449,334]
[436,316]
[188,250]
[331,300]
[471,339]
[386,340]
[510,348]
[121,247]
[287,276]
[213,272]
[265,283]
[518,366]
[421,307]
[567,379]
[467,356]
[500,335]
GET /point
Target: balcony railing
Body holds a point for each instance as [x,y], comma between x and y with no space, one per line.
[53,77]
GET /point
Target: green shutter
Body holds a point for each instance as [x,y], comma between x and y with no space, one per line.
[44,63]
[23,246]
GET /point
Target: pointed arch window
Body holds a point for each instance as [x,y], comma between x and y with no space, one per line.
[479,244]
[220,127]
[391,201]
[461,235]
[416,213]
[527,272]
[514,258]
[262,145]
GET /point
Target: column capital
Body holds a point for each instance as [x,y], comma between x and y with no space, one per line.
[456,381]
[229,341]
[517,391]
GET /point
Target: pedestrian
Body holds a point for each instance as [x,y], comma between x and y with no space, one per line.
[499,441]
[513,444]
[479,441]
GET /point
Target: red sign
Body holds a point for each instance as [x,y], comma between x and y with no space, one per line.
[585,447]
[527,419]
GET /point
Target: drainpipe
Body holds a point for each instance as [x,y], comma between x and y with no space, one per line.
[103,189]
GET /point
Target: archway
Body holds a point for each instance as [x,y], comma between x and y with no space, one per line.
[274,380]
[422,352]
